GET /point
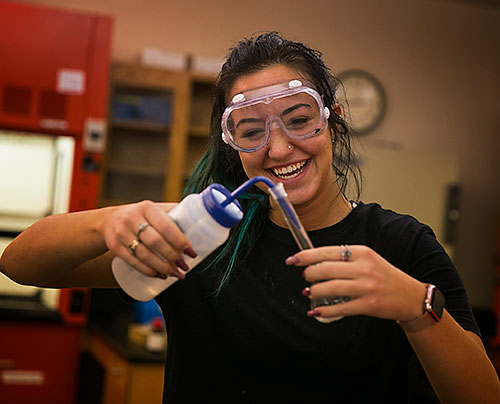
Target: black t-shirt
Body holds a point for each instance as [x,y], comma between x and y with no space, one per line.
[253,342]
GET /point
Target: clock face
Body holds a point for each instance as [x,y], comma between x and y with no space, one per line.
[366,100]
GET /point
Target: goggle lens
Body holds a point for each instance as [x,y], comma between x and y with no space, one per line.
[298,115]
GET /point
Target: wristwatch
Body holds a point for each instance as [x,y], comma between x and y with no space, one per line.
[433,310]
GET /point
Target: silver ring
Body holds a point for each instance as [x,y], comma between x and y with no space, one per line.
[345,253]
[133,245]
[141,228]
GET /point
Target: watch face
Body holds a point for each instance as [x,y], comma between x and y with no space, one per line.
[366,101]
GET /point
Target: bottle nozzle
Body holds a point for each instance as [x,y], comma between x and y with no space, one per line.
[247,184]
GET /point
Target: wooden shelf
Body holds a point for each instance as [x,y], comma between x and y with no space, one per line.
[146,159]
[136,170]
[203,78]
[199,131]
[146,126]
[113,202]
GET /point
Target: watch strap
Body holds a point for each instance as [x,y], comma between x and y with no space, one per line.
[433,307]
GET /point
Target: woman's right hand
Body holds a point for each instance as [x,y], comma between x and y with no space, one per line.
[161,243]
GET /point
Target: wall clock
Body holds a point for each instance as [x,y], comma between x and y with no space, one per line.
[366,100]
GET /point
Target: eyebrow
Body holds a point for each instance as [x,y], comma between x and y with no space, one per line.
[294,107]
[248,120]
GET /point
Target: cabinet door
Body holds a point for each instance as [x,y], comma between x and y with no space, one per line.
[146,142]
[138,143]
[38,363]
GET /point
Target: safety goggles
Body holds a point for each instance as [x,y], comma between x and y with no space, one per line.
[294,107]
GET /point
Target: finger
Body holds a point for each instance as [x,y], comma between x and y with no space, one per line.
[319,254]
[145,261]
[151,238]
[167,228]
[153,260]
[330,270]
[166,206]
[350,308]
[336,287]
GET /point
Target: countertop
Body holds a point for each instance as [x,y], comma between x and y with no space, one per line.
[16,308]
[115,330]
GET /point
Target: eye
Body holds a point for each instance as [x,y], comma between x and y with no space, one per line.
[252,133]
[298,122]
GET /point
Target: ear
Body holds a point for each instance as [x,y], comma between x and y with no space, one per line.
[337,109]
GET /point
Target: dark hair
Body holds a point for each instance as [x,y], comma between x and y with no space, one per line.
[221,162]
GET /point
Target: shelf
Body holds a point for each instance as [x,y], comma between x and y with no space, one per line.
[199,131]
[158,129]
[203,78]
[136,170]
[147,126]
[113,202]
[133,187]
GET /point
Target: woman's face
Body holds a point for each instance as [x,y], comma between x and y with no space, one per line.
[303,166]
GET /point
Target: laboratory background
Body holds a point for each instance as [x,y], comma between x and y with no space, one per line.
[108,102]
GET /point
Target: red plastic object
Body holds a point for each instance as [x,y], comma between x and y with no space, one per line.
[74,305]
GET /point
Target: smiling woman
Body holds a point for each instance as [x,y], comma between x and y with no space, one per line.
[240,324]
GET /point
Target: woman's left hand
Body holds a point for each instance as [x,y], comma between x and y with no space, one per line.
[376,287]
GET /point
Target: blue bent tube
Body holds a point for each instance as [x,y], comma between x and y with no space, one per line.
[279,194]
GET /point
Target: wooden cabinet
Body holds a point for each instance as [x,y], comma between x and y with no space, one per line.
[158,128]
[201,92]
[124,381]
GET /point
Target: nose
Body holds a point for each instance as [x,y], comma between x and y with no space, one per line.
[279,142]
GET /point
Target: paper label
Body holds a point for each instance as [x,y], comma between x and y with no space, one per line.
[71,81]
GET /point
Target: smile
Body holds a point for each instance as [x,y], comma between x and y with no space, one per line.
[289,172]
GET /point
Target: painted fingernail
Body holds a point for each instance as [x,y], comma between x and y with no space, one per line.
[161,276]
[190,252]
[292,260]
[314,313]
[179,275]
[306,291]
[181,264]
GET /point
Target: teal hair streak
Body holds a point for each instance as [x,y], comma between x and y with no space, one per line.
[243,235]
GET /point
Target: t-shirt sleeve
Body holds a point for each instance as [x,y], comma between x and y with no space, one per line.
[429,263]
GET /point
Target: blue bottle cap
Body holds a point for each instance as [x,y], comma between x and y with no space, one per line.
[213,196]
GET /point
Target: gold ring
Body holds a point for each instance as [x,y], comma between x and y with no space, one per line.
[345,253]
[133,245]
[141,228]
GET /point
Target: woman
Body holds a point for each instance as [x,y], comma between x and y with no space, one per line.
[240,325]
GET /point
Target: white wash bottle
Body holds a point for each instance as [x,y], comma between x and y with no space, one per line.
[205,219]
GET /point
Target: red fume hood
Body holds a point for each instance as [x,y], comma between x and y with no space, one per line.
[54,74]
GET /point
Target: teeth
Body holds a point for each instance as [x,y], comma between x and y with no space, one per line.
[285,172]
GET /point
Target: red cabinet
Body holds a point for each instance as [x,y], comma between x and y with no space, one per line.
[38,362]
[54,74]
